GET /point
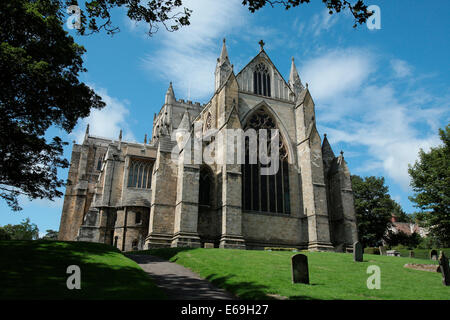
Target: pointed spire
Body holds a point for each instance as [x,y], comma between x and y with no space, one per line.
[170,95]
[87,129]
[120,135]
[327,151]
[223,67]
[224,53]
[145,139]
[294,79]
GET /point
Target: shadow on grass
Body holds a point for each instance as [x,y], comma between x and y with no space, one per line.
[241,289]
[37,270]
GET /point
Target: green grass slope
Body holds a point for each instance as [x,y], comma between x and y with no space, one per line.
[255,274]
[37,270]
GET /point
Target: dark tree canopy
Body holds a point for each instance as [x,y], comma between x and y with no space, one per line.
[358,9]
[39,66]
[23,231]
[96,14]
[430,180]
[373,207]
[50,235]
[400,214]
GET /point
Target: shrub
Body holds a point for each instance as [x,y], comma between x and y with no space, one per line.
[372,250]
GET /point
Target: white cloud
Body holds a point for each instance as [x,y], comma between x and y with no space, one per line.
[388,124]
[337,71]
[386,128]
[401,68]
[108,121]
[322,22]
[188,57]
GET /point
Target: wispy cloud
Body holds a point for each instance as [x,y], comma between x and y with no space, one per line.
[322,22]
[108,121]
[188,57]
[390,123]
[337,71]
[401,68]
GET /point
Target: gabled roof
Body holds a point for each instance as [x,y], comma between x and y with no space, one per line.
[264,55]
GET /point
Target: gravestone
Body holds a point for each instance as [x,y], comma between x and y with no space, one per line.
[433,255]
[300,273]
[445,269]
[357,252]
[382,250]
[208,245]
[411,254]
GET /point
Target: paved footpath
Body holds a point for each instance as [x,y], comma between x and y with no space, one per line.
[177,281]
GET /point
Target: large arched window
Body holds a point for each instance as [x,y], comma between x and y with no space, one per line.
[266,193]
[140,174]
[261,80]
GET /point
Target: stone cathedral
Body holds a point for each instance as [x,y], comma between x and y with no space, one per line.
[136,196]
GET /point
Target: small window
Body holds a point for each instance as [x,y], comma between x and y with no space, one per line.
[100,162]
[138,218]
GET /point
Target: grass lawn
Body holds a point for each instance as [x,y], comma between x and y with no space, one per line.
[37,270]
[254,274]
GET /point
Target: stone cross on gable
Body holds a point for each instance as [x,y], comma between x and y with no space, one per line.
[261,43]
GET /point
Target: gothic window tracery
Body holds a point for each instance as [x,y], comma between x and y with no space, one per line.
[140,174]
[265,193]
[261,80]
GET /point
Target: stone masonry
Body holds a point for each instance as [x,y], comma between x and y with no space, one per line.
[139,196]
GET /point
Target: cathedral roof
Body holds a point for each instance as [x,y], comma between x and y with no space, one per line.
[263,55]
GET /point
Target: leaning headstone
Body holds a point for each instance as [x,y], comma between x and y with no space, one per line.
[433,255]
[443,264]
[300,273]
[382,250]
[411,254]
[357,252]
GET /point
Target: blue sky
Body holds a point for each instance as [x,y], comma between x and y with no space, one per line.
[380,95]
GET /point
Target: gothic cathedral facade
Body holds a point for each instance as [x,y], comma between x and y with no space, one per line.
[138,196]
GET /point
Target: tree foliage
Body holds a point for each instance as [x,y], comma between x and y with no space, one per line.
[50,235]
[39,64]
[23,231]
[358,9]
[430,181]
[401,238]
[400,214]
[96,14]
[373,207]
